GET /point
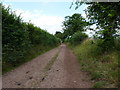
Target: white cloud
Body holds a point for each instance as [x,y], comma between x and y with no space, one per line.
[6,5]
[47,20]
[28,15]
[50,23]
[38,18]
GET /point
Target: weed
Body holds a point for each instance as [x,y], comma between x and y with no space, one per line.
[101,66]
[99,84]
[95,75]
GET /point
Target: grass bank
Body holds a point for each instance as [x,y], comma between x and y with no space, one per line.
[32,53]
[103,67]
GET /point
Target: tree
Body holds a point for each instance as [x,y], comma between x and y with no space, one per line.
[106,16]
[73,24]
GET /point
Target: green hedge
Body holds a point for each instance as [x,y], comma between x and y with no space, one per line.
[77,38]
[20,37]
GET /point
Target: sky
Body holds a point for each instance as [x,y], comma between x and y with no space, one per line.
[44,14]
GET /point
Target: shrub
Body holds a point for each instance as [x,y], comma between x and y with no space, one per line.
[15,41]
[19,38]
[77,38]
[99,84]
[103,67]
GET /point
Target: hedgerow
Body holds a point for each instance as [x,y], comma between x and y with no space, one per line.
[18,37]
[77,38]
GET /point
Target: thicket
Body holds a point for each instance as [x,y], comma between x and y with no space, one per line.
[77,38]
[20,38]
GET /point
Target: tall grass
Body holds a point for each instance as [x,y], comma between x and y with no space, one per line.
[103,67]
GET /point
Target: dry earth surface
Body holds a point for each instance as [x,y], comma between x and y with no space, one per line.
[57,68]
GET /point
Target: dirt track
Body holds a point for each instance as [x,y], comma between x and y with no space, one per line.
[58,68]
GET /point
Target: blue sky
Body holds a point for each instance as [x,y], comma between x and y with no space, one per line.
[46,15]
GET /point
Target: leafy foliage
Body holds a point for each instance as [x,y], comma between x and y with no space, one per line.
[73,28]
[39,36]
[73,24]
[20,37]
[100,56]
[15,41]
[106,16]
[59,35]
[77,38]
[103,67]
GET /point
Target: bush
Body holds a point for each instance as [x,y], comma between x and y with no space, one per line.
[19,38]
[15,41]
[77,38]
[99,84]
[103,67]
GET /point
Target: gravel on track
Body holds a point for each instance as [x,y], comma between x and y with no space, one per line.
[57,68]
